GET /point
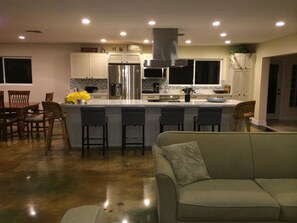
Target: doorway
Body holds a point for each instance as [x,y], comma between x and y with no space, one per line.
[274,90]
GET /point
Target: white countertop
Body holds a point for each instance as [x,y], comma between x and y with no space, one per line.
[145,103]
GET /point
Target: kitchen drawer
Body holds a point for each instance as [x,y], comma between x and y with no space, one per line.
[146,97]
[99,97]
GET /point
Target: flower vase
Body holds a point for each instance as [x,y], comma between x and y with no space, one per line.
[187,98]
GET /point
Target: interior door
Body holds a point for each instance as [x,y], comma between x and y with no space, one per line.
[274,91]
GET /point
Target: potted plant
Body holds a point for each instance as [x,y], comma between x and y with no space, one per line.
[243,48]
[188,91]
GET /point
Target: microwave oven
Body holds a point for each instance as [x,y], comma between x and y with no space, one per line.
[157,73]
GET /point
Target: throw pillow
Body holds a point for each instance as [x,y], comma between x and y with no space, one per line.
[187,162]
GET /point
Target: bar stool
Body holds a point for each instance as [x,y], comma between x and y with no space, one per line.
[54,112]
[132,117]
[172,116]
[243,110]
[93,116]
[208,116]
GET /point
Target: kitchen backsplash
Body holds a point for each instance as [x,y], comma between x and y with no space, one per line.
[80,84]
[147,84]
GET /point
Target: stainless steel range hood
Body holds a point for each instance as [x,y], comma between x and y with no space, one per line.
[165,49]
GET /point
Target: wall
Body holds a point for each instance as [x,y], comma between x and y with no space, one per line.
[282,46]
[50,68]
[51,64]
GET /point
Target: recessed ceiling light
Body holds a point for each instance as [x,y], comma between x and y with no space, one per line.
[216,23]
[22,37]
[188,41]
[152,23]
[146,41]
[280,23]
[85,21]
[103,40]
[123,33]
[227,41]
[223,34]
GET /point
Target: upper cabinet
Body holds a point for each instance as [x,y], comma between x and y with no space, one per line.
[241,73]
[88,65]
[124,58]
[242,61]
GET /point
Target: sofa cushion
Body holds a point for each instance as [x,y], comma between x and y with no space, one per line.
[285,192]
[226,200]
[227,155]
[187,162]
[275,155]
[85,214]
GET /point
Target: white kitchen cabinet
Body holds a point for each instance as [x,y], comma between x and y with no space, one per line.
[241,72]
[88,65]
[242,61]
[241,84]
[124,58]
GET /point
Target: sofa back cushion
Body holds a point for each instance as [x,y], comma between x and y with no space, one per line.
[275,155]
[226,155]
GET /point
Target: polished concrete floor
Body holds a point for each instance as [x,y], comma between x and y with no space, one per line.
[39,188]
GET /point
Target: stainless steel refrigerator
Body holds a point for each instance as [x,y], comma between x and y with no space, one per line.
[124,81]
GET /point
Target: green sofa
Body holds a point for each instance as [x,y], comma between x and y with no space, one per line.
[253,179]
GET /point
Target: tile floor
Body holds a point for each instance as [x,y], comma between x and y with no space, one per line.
[38,188]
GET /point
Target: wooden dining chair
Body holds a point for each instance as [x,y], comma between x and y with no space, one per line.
[54,111]
[6,121]
[18,96]
[37,121]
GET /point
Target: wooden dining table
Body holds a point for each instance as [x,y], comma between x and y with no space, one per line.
[20,109]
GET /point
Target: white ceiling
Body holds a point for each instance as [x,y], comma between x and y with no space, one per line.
[245,21]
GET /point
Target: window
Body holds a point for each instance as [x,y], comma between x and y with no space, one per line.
[182,75]
[207,72]
[198,72]
[16,70]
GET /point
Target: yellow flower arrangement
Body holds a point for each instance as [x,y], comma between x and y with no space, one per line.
[82,95]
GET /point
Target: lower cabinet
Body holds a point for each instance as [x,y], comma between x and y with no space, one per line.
[99,97]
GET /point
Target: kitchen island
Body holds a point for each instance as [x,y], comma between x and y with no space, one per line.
[152,114]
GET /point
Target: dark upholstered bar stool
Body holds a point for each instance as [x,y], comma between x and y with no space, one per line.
[94,116]
[172,116]
[208,116]
[132,117]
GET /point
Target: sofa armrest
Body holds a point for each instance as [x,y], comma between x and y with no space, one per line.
[166,188]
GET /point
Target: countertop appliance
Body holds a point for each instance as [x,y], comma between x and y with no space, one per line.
[124,81]
[156,87]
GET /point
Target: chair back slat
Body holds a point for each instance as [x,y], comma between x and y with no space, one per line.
[49,96]
[2,109]
[18,96]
